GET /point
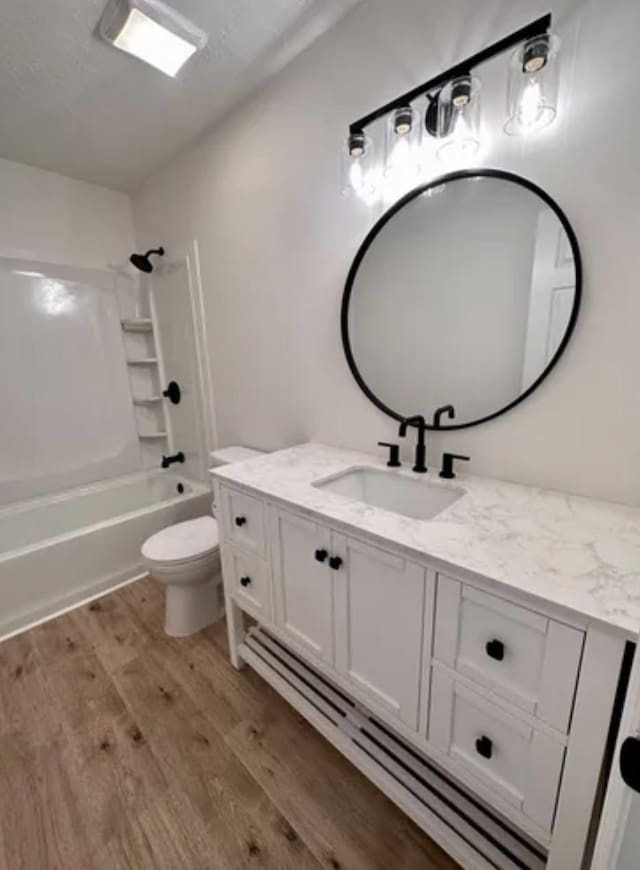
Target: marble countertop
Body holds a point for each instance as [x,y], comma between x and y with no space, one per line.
[573,552]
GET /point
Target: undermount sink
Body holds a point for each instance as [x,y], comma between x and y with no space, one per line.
[418,499]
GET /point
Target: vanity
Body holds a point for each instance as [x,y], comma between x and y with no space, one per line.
[466,643]
[472,664]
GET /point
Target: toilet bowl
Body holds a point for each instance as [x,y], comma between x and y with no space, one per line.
[185,558]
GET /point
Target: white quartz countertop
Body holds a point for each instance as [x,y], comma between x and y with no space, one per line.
[573,552]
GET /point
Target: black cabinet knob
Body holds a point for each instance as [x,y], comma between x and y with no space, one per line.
[241,521]
[484,747]
[245,581]
[335,562]
[630,762]
[321,555]
[495,650]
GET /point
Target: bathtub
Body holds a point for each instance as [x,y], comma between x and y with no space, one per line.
[60,550]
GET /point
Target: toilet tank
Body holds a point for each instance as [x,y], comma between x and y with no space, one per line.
[228,455]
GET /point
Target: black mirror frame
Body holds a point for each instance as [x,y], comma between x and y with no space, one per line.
[389,214]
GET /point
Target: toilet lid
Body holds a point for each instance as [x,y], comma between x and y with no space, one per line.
[182,541]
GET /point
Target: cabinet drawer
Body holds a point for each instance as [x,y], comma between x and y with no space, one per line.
[247,578]
[243,518]
[528,659]
[520,764]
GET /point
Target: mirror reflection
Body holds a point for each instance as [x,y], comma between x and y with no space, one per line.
[464,295]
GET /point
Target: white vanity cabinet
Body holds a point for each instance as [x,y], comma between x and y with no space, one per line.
[508,699]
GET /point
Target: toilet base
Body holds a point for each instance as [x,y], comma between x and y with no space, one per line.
[190,608]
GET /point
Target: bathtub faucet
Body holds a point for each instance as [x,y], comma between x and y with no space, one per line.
[169,460]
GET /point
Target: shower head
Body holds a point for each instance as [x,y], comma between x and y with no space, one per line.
[142,261]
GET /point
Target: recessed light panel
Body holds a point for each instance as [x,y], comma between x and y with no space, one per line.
[153,32]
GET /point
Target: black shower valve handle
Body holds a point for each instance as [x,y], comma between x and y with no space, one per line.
[173,392]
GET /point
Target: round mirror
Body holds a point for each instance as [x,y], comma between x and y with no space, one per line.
[465,293]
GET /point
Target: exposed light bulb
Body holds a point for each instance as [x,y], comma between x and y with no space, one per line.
[400,154]
[531,105]
[460,128]
[356,176]
[460,141]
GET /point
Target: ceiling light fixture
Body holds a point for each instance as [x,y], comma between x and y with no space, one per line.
[153,32]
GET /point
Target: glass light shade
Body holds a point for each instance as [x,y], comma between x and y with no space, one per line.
[532,97]
[458,121]
[403,152]
[359,170]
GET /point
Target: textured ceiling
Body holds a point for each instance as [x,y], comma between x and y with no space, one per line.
[72,104]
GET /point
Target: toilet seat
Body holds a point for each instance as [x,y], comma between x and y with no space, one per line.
[183,543]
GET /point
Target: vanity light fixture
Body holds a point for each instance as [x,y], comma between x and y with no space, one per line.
[452,112]
[153,32]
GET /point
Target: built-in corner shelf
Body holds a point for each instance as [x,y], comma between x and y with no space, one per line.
[147,361]
[137,324]
[150,400]
[151,436]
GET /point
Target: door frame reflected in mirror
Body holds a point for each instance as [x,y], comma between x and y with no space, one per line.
[384,220]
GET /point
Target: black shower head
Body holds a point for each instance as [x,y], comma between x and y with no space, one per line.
[142,261]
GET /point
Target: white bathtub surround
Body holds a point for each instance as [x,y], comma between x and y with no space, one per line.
[577,553]
[59,550]
[70,421]
[492,639]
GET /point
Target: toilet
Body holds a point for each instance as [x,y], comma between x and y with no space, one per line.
[185,558]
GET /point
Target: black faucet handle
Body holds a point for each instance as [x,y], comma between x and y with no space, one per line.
[447,464]
[394,454]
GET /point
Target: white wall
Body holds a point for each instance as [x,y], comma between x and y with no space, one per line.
[261,195]
[49,217]
[68,417]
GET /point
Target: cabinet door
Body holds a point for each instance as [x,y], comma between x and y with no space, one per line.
[520,763]
[379,611]
[243,520]
[248,578]
[303,582]
[525,657]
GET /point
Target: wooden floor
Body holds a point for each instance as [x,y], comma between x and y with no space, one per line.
[121,748]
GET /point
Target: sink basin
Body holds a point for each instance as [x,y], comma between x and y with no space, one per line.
[418,499]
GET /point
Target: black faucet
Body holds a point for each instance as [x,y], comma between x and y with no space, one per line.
[169,460]
[419,422]
[449,410]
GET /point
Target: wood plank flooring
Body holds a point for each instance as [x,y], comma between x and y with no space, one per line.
[122,749]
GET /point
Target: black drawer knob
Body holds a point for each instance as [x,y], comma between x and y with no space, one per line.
[321,555]
[241,521]
[245,581]
[484,747]
[630,762]
[335,562]
[495,650]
